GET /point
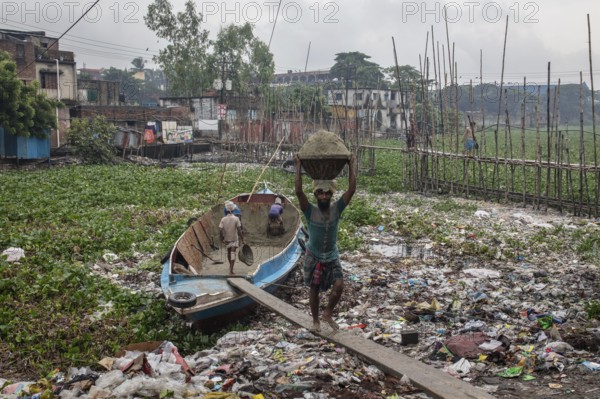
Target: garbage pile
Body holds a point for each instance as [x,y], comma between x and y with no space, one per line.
[516,327]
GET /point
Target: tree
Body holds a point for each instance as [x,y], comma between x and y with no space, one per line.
[130,87]
[152,87]
[308,100]
[354,66]
[183,60]
[138,64]
[409,76]
[191,62]
[23,110]
[247,59]
[92,140]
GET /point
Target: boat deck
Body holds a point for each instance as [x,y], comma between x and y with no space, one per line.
[219,266]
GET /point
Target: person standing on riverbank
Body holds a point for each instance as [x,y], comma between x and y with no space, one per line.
[322,268]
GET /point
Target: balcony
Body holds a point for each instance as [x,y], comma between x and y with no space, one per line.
[51,55]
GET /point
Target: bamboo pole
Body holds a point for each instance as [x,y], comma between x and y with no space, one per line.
[434,159]
[400,89]
[523,111]
[496,174]
[482,178]
[506,144]
[558,145]
[559,167]
[570,175]
[444,111]
[581,148]
[428,132]
[553,141]
[593,117]
[455,89]
[538,152]
[548,138]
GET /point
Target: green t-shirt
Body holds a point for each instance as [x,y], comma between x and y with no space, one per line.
[323,229]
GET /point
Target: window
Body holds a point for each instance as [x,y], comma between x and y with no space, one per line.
[358,96]
[338,96]
[92,95]
[393,95]
[374,96]
[48,80]
[20,51]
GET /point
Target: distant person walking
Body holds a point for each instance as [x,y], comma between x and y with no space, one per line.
[322,268]
[470,142]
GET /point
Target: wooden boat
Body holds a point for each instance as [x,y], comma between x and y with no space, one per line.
[194,275]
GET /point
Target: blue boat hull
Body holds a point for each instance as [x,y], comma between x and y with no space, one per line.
[216,299]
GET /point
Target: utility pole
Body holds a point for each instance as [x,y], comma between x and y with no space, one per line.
[58,99]
[222,106]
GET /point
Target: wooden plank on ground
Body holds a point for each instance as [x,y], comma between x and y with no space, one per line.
[431,380]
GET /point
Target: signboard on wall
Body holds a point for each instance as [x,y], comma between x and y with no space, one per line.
[222,111]
[178,136]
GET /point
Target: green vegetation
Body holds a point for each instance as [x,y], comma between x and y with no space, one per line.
[592,309]
[92,140]
[23,110]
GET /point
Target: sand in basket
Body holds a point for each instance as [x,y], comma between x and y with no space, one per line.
[324,155]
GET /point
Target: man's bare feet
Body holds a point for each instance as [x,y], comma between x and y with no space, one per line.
[316,326]
[329,320]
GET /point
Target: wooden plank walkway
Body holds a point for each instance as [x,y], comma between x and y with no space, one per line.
[433,381]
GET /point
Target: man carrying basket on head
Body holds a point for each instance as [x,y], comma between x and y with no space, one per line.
[322,268]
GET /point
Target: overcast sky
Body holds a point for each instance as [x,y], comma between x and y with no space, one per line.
[538,32]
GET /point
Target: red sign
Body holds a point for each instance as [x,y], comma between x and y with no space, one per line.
[222,112]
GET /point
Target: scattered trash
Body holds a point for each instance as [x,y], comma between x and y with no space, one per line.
[591,365]
[512,372]
[13,254]
[505,316]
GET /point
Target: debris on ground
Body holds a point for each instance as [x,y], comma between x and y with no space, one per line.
[514,325]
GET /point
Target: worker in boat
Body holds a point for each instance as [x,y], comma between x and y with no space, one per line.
[230,229]
[322,268]
[275,226]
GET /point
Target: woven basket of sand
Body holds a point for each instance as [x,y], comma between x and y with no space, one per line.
[324,155]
